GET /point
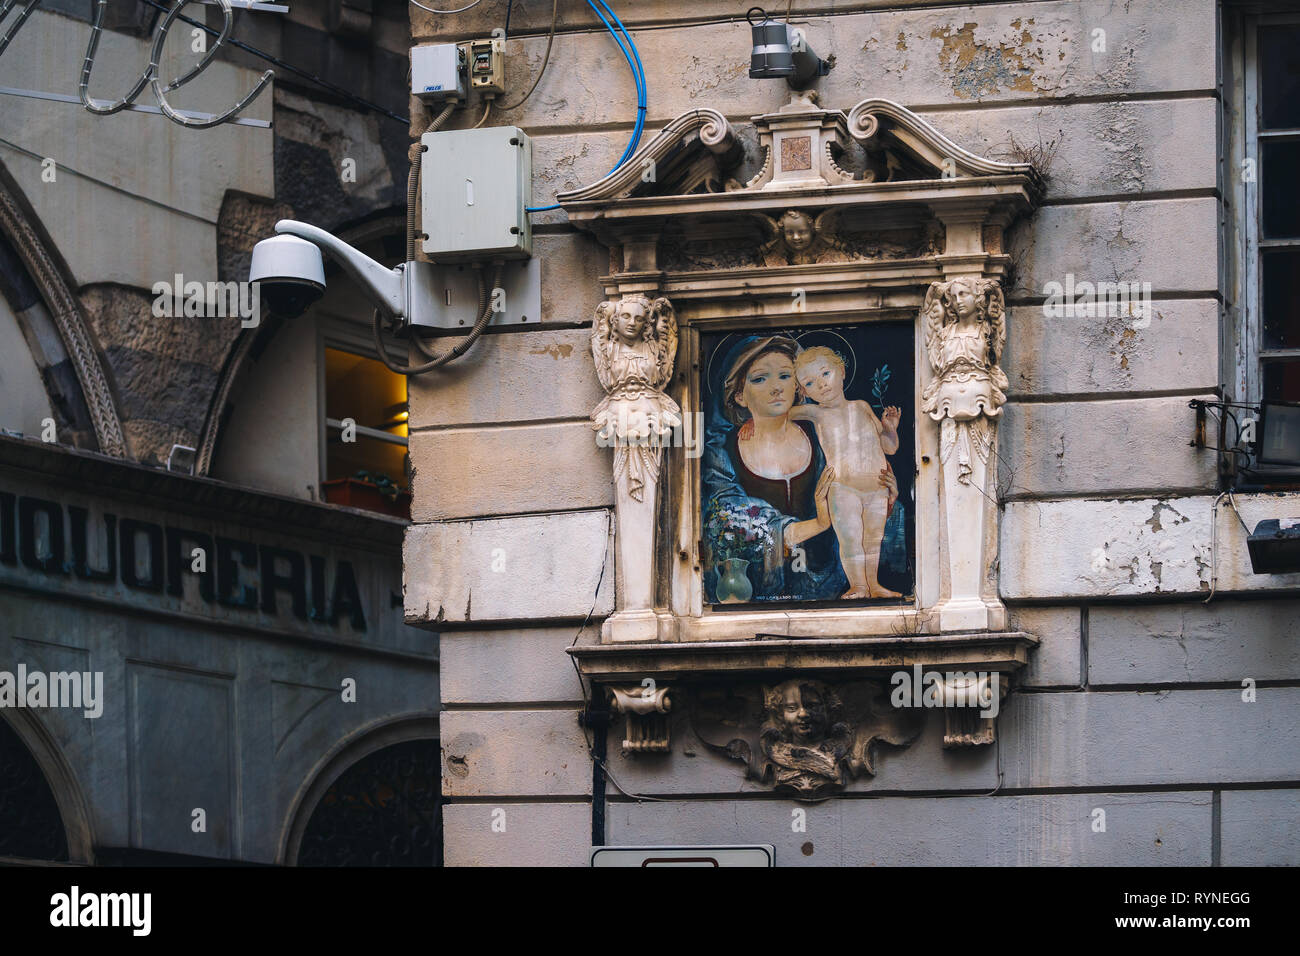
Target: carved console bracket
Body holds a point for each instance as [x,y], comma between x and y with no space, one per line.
[813,733]
[646,710]
[966,698]
[960,673]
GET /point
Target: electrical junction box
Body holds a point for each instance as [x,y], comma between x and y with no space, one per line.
[437,71]
[446,297]
[474,187]
[487,64]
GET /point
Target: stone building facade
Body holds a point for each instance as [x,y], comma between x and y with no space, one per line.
[1071,535]
[574,653]
[166,472]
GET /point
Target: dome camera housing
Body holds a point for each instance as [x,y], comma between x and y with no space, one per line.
[290,274]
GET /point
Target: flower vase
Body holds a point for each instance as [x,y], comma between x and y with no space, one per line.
[733,582]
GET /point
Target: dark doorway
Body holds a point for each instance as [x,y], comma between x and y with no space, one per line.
[30,824]
[384,810]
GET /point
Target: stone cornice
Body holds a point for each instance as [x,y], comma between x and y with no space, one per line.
[1005,651]
[97,474]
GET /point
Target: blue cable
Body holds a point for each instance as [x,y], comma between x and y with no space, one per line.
[633,57]
[638,75]
[641,88]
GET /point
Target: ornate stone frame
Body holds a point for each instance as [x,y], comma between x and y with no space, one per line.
[913,177]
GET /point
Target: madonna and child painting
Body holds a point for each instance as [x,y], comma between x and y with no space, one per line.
[808,465]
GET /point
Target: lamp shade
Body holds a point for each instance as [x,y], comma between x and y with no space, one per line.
[771,57]
[1279,434]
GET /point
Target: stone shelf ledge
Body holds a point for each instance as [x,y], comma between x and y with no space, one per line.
[1003,651]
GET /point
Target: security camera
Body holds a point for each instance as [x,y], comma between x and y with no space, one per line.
[290,273]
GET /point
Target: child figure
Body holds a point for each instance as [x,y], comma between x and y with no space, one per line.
[855,442]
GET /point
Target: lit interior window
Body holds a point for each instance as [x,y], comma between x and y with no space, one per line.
[369,471]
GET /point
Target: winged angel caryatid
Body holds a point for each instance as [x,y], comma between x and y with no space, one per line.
[634,342]
[965,330]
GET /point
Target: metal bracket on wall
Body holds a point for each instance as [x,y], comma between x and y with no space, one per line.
[454,292]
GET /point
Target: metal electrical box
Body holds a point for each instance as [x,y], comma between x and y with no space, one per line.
[487,64]
[475,186]
[438,71]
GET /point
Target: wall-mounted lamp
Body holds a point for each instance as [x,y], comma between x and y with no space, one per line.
[1279,434]
[782,52]
[1274,546]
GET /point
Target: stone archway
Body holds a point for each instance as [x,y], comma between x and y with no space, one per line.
[42,814]
[20,227]
[376,802]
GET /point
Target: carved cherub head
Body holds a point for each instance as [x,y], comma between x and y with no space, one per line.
[797,230]
[804,712]
[798,234]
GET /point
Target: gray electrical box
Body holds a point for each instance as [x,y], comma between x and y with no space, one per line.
[475,185]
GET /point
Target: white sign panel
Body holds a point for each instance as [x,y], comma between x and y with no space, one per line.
[683,856]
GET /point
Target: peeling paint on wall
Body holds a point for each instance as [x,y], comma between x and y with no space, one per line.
[979,68]
[554,350]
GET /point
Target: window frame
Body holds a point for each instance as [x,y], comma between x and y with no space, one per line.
[1253,141]
[1248,354]
[336,333]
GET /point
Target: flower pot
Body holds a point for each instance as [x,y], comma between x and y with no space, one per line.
[733,582]
[362,494]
